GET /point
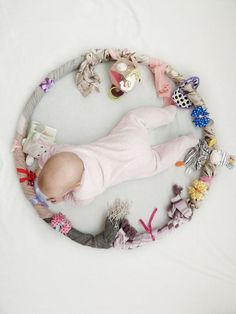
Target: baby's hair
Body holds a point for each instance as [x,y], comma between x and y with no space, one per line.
[60,173]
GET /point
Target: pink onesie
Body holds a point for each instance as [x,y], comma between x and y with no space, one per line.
[125,153]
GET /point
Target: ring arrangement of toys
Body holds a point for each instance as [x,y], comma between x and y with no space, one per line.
[32,139]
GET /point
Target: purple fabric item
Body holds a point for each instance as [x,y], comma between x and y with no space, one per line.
[179,213]
[194,80]
[123,242]
[129,230]
[38,200]
[46,84]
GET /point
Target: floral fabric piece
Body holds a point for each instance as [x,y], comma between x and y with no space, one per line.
[60,223]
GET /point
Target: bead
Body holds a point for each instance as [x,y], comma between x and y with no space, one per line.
[179,163]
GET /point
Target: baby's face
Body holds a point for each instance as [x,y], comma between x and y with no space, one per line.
[60,175]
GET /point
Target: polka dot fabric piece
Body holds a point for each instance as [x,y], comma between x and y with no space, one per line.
[180,98]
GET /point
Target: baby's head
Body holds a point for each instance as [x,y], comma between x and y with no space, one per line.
[60,174]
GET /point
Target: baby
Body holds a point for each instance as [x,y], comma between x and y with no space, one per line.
[61,174]
[79,173]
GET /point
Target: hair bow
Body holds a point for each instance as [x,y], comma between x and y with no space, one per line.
[30,176]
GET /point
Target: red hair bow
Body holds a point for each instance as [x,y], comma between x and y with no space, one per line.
[30,176]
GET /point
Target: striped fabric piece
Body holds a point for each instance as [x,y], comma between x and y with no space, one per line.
[219,158]
[224,158]
[197,155]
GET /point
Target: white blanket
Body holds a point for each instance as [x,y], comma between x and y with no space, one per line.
[191,271]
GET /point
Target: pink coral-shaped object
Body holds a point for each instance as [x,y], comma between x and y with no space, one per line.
[60,223]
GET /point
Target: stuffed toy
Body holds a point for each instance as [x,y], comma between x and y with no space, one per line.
[124,76]
[39,138]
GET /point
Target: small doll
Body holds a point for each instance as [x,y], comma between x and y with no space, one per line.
[40,137]
[203,152]
[221,158]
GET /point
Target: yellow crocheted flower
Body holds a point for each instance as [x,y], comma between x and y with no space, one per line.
[198,190]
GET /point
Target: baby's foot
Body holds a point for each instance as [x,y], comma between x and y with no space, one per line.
[193,140]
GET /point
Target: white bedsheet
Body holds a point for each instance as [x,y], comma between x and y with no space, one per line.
[191,271]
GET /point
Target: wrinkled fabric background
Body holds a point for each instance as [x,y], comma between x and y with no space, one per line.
[191,271]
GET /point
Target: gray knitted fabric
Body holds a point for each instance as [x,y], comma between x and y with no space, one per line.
[103,240]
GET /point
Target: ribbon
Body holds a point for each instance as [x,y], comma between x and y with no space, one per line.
[30,176]
[37,199]
[46,84]
[148,228]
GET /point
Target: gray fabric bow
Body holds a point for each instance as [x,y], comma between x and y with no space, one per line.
[197,156]
[117,212]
